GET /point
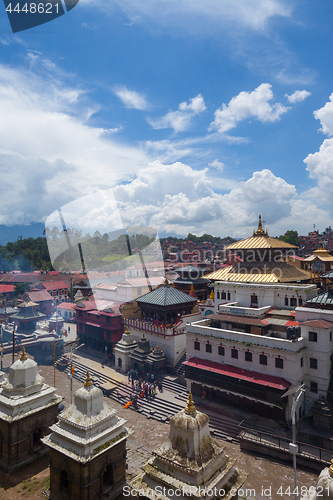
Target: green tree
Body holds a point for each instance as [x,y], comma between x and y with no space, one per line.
[291,237]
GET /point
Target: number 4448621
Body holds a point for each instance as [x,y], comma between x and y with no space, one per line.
[34,8]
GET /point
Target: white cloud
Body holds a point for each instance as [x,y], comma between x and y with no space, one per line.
[246,105]
[325,115]
[320,164]
[49,154]
[298,96]
[217,164]
[197,105]
[176,198]
[131,98]
[180,120]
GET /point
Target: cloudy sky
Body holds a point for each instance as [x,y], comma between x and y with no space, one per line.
[199,115]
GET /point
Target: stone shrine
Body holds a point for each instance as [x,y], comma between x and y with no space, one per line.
[190,464]
[28,407]
[87,449]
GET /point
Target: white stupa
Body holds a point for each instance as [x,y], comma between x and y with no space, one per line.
[190,464]
[28,408]
[87,427]
[24,392]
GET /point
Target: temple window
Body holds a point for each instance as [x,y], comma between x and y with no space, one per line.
[286,301]
[301,362]
[197,346]
[218,295]
[64,480]
[300,301]
[248,356]
[254,300]
[293,302]
[234,353]
[278,363]
[312,336]
[228,295]
[208,347]
[263,359]
[221,351]
[223,295]
[107,477]
[313,387]
[313,363]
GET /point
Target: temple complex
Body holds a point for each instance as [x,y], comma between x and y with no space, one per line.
[261,256]
[27,317]
[28,407]
[87,449]
[190,464]
[161,316]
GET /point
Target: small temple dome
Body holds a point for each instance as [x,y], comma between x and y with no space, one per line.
[89,399]
[23,374]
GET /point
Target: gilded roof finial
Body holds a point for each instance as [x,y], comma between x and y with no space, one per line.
[88,382]
[190,408]
[127,330]
[211,296]
[331,468]
[23,356]
[260,229]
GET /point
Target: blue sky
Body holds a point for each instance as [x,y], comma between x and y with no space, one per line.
[200,115]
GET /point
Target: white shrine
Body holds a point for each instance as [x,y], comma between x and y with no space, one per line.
[190,464]
[28,407]
[87,448]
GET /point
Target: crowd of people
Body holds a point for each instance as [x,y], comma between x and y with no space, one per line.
[143,388]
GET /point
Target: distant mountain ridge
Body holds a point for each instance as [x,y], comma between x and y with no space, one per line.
[12,233]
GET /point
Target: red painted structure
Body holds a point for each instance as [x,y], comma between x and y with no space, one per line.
[98,329]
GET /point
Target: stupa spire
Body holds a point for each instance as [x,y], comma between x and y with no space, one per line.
[88,382]
[190,408]
[23,356]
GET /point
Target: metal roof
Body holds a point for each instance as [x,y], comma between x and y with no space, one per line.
[328,275]
[323,298]
[165,296]
[260,272]
[257,242]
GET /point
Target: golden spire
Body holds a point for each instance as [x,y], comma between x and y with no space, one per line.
[23,356]
[88,382]
[331,468]
[127,330]
[190,408]
[260,228]
[211,296]
[260,231]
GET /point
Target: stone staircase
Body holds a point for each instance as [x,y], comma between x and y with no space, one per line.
[165,404]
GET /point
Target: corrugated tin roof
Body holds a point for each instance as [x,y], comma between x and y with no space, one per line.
[323,298]
[328,275]
[165,296]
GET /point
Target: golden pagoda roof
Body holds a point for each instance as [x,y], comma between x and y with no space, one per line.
[260,272]
[260,239]
[321,254]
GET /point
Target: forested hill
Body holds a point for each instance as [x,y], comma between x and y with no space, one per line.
[28,254]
